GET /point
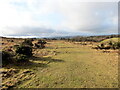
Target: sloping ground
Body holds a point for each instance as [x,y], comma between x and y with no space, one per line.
[111,40]
[67,65]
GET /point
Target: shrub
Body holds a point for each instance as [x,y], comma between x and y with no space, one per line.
[25,50]
[12,40]
[27,42]
[15,46]
[6,58]
[36,45]
[32,39]
[116,45]
[42,43]
[21,58]
[110,43]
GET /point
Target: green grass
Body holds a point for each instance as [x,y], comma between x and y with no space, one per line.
[111,39]
[73,66]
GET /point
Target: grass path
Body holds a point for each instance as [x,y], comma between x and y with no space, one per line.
[73,66]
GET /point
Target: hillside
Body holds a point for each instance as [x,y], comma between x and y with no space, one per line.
[113,40]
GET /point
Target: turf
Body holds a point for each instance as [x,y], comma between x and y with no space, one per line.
[67,65]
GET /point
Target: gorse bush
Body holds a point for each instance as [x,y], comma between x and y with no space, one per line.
[21,58]
[109,45]
[27,42]
[36,45]
[10,58]
[21,53]
[6,58]
[41,43]
[116,45]
[15,46]
[25,50]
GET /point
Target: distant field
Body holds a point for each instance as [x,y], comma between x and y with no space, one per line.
[67,65]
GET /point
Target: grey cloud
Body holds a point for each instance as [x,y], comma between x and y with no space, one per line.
[75,18]
[34,31]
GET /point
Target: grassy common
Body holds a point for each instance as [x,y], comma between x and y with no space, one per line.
[64,64]
[111,39]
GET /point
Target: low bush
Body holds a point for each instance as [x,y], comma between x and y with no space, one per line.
[42,43]
[15,46]
[6,58]
[21,58]
[20,54]
[116,45]
[36,45]
[109,45]
[27,42]
[25,50]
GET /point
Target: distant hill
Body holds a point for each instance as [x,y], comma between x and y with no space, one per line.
[113,40]
[77,38]
[93,38]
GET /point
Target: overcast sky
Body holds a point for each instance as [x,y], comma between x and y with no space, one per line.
[47,18]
